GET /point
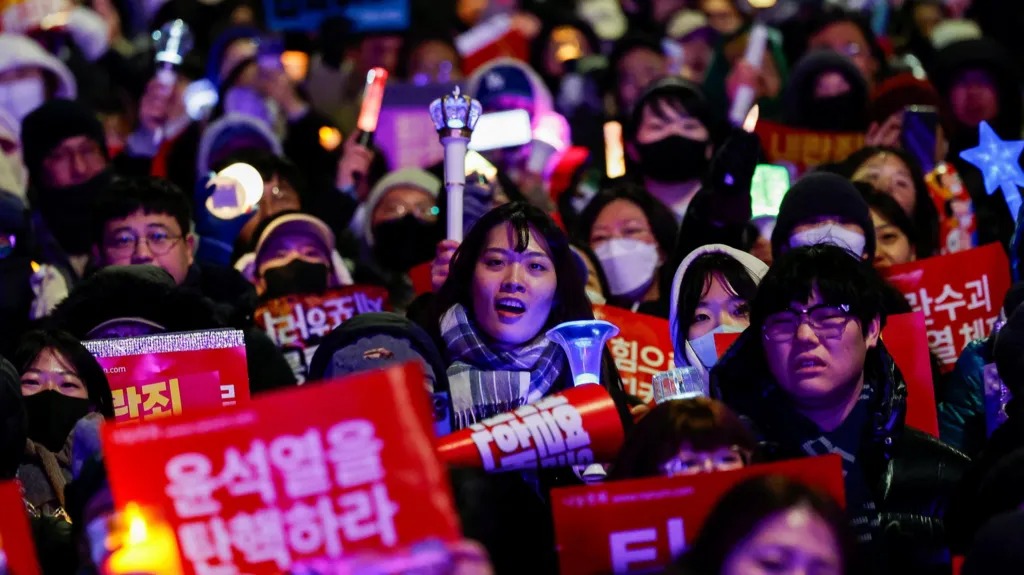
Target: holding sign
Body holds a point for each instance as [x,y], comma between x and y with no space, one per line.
[642,349]
[639,526]
[293,477]
[959,294]
[167,374]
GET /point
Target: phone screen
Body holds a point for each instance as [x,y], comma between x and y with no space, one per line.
[919,136]
[501,130]
[767,189]
[477,164]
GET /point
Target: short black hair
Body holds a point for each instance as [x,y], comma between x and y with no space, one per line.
[838,277]
[83,362]
[150,195]
[671,91]
[623,46]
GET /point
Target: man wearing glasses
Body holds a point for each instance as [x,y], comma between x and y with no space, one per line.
[813,377]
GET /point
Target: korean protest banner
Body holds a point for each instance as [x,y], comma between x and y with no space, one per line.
[159,375]
[642,349]
[800,150]
[293,478]
[297,323]
[959,294]
[639,525]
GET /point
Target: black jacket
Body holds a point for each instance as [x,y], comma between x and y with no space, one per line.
[910,474]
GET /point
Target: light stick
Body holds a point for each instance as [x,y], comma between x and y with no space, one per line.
[614,157]
[173,42]
[454,116]
[757,41]
[999,162]
[369,113]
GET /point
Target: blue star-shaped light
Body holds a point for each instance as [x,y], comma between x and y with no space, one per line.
[998,162]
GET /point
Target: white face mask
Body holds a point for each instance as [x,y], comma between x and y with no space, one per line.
[628,264]
[20,97]
[833,234]
[704,346]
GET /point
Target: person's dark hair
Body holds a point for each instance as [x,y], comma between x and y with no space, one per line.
[697,279]
[743,510]
[662,221]
[269,165]
[570,302]
[925,216]
[702,423]
[832,16]
[83,362]
[410,46]
[150,195]
[890,211]
[839,279]
[666,93]
[622,48]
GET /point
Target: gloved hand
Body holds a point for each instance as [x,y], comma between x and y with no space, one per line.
[50,288]
[90,32]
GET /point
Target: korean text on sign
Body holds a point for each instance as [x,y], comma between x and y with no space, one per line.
[959,294]
[292,478]
[305,319]
[641,350]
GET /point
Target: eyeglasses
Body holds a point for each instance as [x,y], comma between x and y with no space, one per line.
[125,243]
[827,322]
[694,462]
[65,155]
[422,210]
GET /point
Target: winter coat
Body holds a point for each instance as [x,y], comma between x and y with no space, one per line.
[962,419]
[910,474]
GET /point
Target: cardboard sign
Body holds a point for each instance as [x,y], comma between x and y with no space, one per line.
[160,375]
[801,150]
[17,551]
[642,349]
[365,15]
[960,295]
[639,526]
[293,477]
[24,16]
[905,336]
[298,323]
[576,427]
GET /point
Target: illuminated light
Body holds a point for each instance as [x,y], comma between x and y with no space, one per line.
[141,541]
[36,267]
[614,155]
[761,4]
[999,162]
[295,64]
[373,96]
[238,188]
[330,138]
[750,122]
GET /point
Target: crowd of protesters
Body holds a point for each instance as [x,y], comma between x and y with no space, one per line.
[108,174]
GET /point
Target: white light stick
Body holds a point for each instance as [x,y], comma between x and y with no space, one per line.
[754,55]
[614,157]
[454,116]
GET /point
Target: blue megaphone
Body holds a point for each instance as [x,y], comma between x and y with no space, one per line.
[583,342]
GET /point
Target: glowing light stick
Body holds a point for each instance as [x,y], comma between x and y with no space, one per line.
[369,113]
[757,41]
[999,162]
[614,156]
[237,189]
[454,116]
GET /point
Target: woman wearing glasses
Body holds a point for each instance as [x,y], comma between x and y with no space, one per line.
[814,378]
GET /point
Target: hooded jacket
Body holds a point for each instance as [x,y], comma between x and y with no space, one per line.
[17,51]
[804,110]
[909,473]
[684,352]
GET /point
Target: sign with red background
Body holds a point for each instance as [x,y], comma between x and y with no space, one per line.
[642,348]
[169,374]
[638,526]
[293,477]
[905,337]
[17,551]
[959,294]
[800,150]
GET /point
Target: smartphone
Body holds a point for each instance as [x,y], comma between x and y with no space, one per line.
[501,130]
[920,134]
[475,163]
[767,189]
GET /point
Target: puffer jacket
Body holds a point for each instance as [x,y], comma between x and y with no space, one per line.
[962,419]
[911,475]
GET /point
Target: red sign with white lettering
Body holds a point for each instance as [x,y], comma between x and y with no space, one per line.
[173,373]
[638,526]
[642,349]
[292,478]
[959,294]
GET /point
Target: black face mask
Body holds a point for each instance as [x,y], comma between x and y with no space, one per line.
[402,244]
[674,159]
[68,212]
[297,277]
[842,113]
[52,416]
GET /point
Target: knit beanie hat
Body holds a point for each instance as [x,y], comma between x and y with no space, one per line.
[50,124]
[406,177]
[820,195]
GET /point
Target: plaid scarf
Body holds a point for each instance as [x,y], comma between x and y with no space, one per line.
[484,382]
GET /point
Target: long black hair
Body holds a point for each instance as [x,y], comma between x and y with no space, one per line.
[570,302]
[741,511]
[72,350]
[696,282]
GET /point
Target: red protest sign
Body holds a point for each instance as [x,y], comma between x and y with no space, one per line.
[723,341]
[496,37]
[173,373]
[420,275]
[905,336]
[293,477]
[642,348]
[297,323]
[638,526]
[17,551]
[959,294]
[801,150]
